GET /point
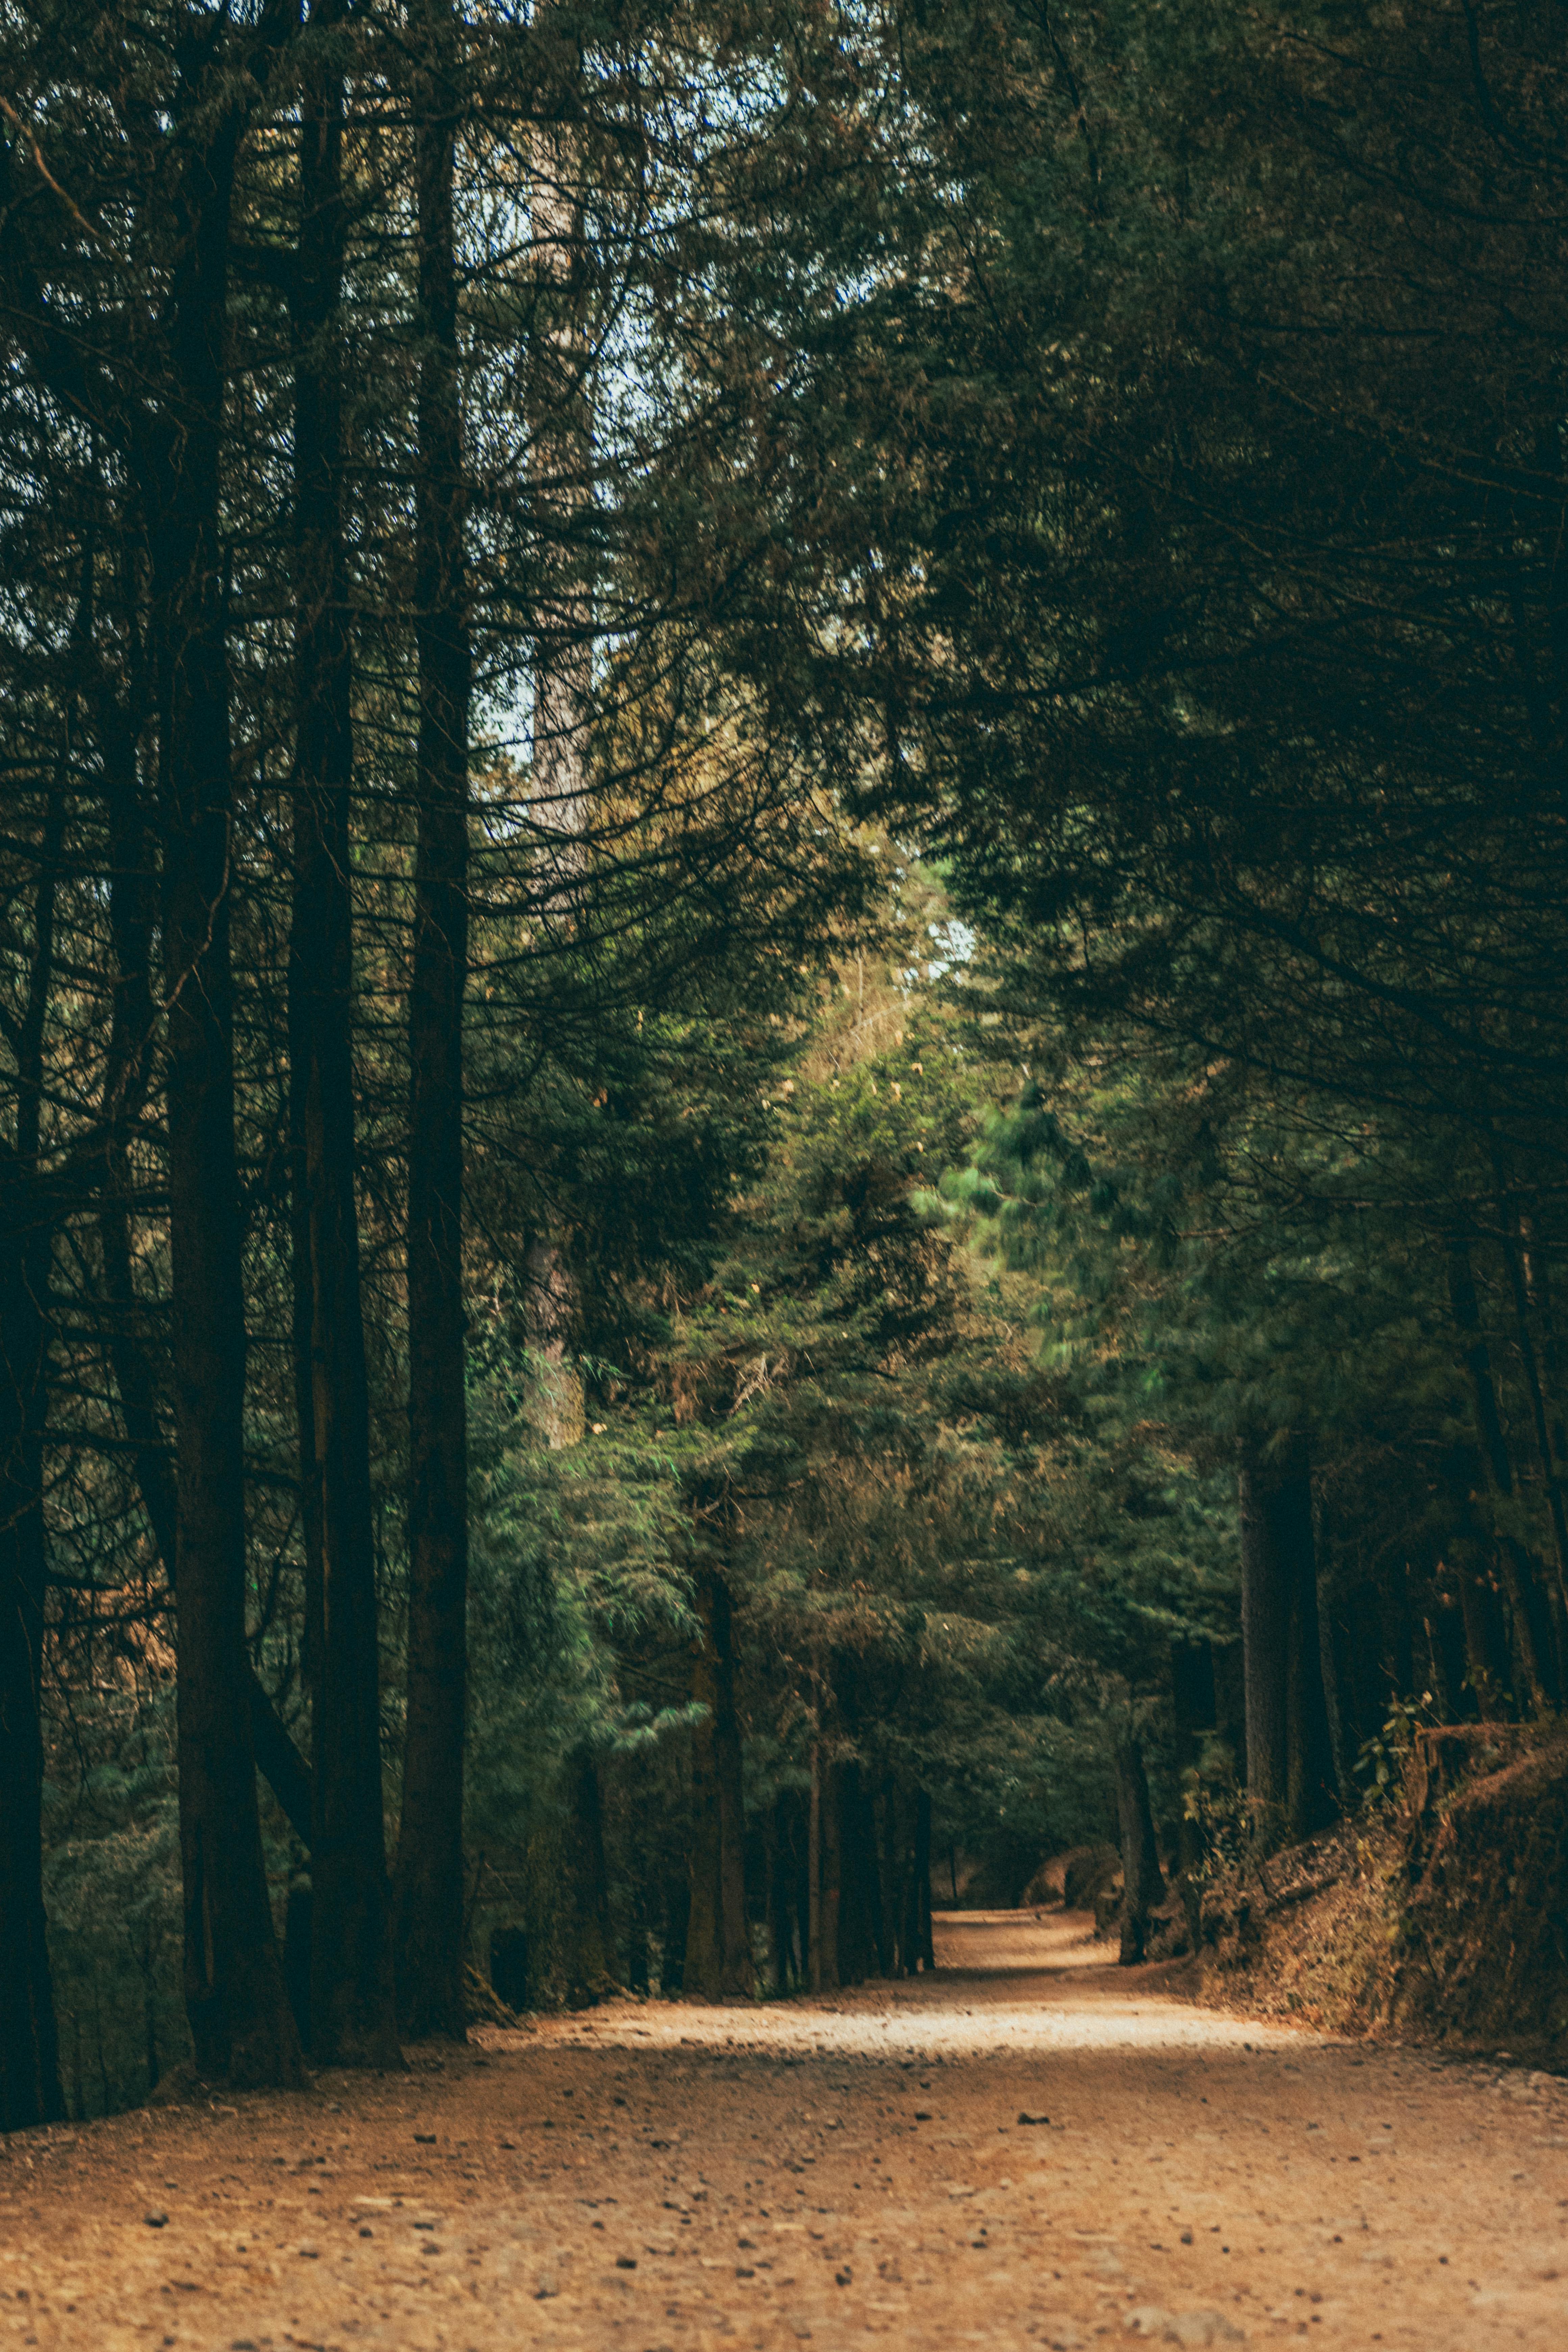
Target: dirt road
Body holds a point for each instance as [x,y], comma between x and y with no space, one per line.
[661,2176]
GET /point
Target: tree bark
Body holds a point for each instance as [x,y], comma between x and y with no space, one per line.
[1265,1639]
[1289,1759]
[1462,1476]
[559,438]
[1554,1612]
[790,1932]
[278,1759]
[429,1879]
[925,1950]
[832,1876]
[560,423]
[1142,1881]
[719,1960]
[126,1072]
[1532,1633]
[241,2024]
[887,1840]
[589,1969]
[813,1869]
[1311,1782]
[1193,1703]
[352,2016]
[29,2046]
[672,1946]
[859,1927]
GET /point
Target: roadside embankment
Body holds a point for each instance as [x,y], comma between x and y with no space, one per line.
[1443,1920]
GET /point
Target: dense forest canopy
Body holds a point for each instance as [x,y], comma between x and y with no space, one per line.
[782,892]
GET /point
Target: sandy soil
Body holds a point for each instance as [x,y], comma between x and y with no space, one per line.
[662,2175]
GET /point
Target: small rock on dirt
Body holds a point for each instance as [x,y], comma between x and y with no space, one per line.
[1185,2328]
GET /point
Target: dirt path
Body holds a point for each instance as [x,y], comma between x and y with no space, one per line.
[660,2175]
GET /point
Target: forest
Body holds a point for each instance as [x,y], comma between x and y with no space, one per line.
[783,1061]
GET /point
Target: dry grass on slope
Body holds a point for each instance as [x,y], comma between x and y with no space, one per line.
[1443,1921]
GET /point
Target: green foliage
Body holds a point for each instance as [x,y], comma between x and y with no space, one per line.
[111,1888]
[1383,1758]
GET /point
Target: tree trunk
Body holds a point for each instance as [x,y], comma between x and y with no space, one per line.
[898,1875]
[1265,1637]
[672,1951]
[1462,1476]
[874,1813]
[353,2017]
[241,2020]
[1142,1882]
[832,1877]
[560,423]
[858,1939]
[559,460]
[1290,1762]
[739,1972]
[589,1971]
[125,1081]
[1532,1630]
[1312,1783]
[29,2042]
[719,1960]
[1194,1705]
[1341,1750]
[814,1870]
[790,1933]
[277,1757]
[1554,1595]
[29,2055]
[429,1881]
[925,1951]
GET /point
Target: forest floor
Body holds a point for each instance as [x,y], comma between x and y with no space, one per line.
[655,2175]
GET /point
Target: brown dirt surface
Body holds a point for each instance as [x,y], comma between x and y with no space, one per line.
[823,2172]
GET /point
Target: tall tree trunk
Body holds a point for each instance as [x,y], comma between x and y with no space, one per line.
[882,1826]
[814,1974]
[1142,1881]
[429,1879]
[924,1947]
[859,1926]
[1462,1476]
[1311,1782]
[868,1866]
[1265,1639]
[1193,1707]
[1341,1751]
[559,441]
[589,1968]
[559,424]
[352,2016]
[1532,1635]
[909,1941]
[1544,1597]
[126,1071]
[832,1896]
[673,1937]
[719,1962]
[241,2023]
[789,1932]
[29,2046]
[1289,1760]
